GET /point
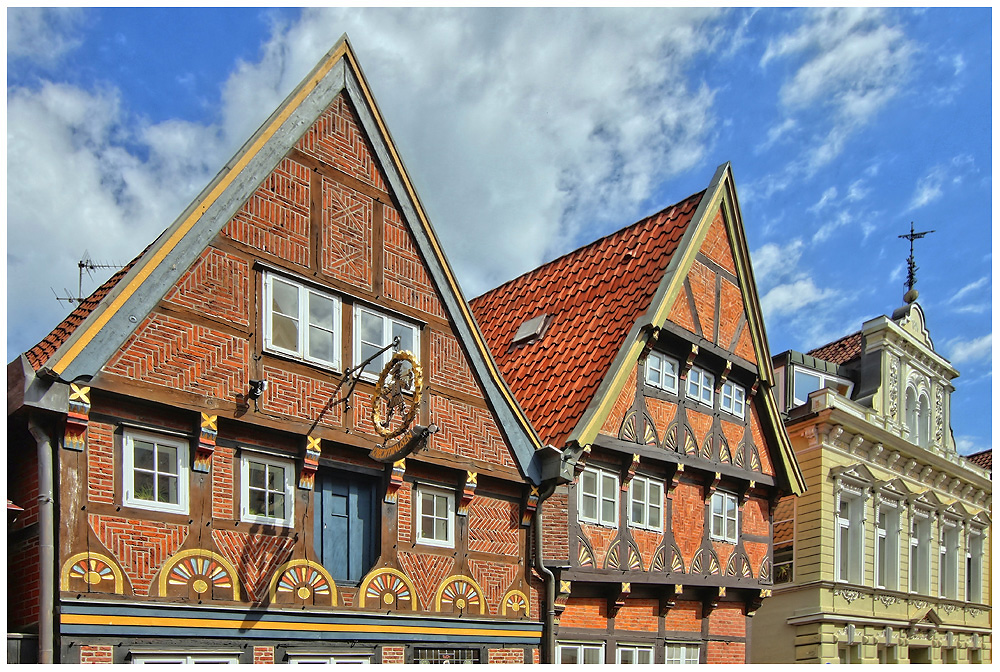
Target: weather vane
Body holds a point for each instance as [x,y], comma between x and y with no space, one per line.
[911,265]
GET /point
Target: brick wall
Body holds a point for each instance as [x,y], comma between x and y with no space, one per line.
[585,612]
[647,542]
[223,495]
[336,139]
[716,244]
[404,508]
[346,252]
[555,527]
[506,656]
[100,463]
[141,546]
[757,429]
[600,539]
[495,578]
[702,281]
[255,557]
[701,425]
[303,397]
[406,279]
[612,424]
[684,616]
[217,285]
[426,571]
[263,655]
[22,556]
[730,312]
[96,655]
[727,620]
[662,413]
[393,655]
[680,312]
[638,615]
[449,367]
[467,431]
[725,653]
[494,526]
[688,521]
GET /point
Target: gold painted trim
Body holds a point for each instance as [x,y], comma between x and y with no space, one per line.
[272,590]
[177,557]
[90,555]
[512,593]
[374,574]
[455,578]
[153,261]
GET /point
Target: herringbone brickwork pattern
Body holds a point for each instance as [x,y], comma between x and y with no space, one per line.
[688,519]
[468,431]
[172,353]
[754,517]
[426,571]
[223,494]
[662,413]
[301,397]
[100,463]
[100,654]
[766,466]
[701,425]
[612,424]
[680,313]
[275,219]
[449,366]
[647,541]
[730,312]
[406,278]
[494,526]
[346,253]
[496,579]
[734,434]
[716,244]
[255,557]
[140,546]
[336,139]
[702,282]
[600,539]
[756,551]
[744,347]
[218,286]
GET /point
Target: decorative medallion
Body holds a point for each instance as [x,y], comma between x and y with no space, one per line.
[385,588]
[919,604]
[754,457]
[690,447]
[462,593]
[847,593]
[973,611]
[201,571]
[698,566]
[738,459]
[516,603]
[629,432]
[304,579]
[706,447]
[399,387]
[98,572]
[738,565]
[949,608]
[725,455]
[670,440]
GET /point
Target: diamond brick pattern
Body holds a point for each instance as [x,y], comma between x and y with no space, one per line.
[468,431]
[449,366]
[140,546]
[426,571]
[556,376]
[217,285]
[406,278]
[177,354]
[336,139]
[493,527]
[100,463]
[347,234]
[495,578]
[255,557]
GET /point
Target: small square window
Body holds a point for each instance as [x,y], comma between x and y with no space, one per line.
[598,500]
[700,385]
[661,372]
[155,470]
[724,517]
[301,322]
[733,399]
[435,517]
[267,490]
[646,503]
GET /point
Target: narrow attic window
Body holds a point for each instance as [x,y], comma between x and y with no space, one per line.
[531,330]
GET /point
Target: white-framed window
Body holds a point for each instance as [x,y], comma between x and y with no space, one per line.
[725,517]
[849,549]
[733,399]
[155,472]
[373,331]
[974,566]
[267,490]
[646,503]
[701,385]
[948,565]
[805,381]
[598,498]
[330,658]
[301,321]
[661,372]
[634,654]
[435,516]
[887,546]
[181,658]
[920,552]
[682,653]
[575,653]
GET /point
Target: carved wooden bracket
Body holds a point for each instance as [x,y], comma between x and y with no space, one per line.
[675,479]
[530,507]
[711,599]
[630,471]
[206,443]
[581,463]
[744,492]
[668,598]
[689,362]
[723,377]
[654,333]
[618,598]
[77,418]
[468,492]
[755,601]
[310,464]
[752,392]
[395,481]
[711,483]
[562,597]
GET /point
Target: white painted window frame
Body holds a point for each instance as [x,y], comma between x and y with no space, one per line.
[635,649]
[657,362]
[128,471]
[438,493]
[702,383]
[289,489]
[726,498]
[305,293]
[647,502]
[854,527]
[601,476]
[581,648]
[888,537]
[681,653]
[733,399]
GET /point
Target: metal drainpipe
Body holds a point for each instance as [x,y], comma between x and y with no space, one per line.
[548,625]
[46,543]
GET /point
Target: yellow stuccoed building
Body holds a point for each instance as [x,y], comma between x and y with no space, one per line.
[885,558]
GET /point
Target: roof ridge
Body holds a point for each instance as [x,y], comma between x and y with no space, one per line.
[578,250]
[834,341]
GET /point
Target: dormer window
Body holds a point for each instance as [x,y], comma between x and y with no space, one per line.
[531,330]
[661,372]
[806,381]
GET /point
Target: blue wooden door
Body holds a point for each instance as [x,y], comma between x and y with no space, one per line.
[345,524]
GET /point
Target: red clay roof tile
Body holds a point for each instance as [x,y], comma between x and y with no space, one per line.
[593,296]
[983,459]
[840,351]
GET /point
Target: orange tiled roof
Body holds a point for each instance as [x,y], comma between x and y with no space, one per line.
[40,353]
[983,459]
[592,296]
[840,351]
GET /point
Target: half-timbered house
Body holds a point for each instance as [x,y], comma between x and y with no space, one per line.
[643,358]
[277,435]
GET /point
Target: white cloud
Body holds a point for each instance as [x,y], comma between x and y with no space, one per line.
[793,297]
[969,288]
[976,350]
[932,186]
[42,35]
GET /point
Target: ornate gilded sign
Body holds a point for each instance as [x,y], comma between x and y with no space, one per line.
[394,407]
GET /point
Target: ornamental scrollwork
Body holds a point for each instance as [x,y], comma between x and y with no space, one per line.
[893,388]
[888,600]
[847,593]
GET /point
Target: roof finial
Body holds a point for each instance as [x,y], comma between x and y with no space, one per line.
[911,265]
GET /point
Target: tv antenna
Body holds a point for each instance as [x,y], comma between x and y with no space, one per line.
[85,264]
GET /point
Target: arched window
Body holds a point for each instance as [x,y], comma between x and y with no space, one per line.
[911,413]
[923,422]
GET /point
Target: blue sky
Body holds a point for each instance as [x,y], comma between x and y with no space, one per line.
[531,132]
